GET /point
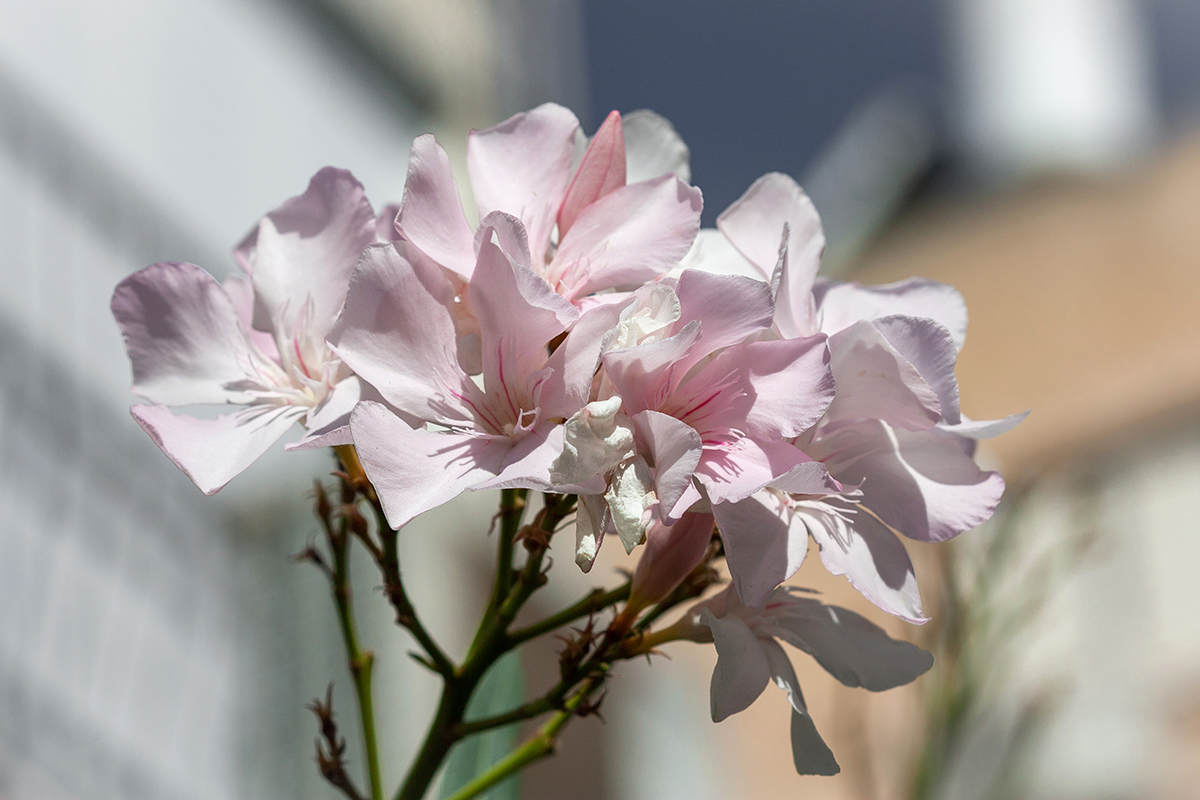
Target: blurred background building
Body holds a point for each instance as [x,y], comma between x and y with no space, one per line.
[1040,155]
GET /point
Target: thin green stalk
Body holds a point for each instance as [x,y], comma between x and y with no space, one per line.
[491,640]
[406,614]
[361,661]
[519,714]
[539,746]
[512,505]
[596,600]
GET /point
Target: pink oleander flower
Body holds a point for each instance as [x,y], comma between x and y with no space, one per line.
[893,436]
[257,342]
[398,331]
[848,646]
[619,216]
[700,408]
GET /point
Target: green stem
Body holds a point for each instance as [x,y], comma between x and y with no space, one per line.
[491,640]
[361,661]
[539,746]
[406,614]
[596,600]
[519,714]
[512,505]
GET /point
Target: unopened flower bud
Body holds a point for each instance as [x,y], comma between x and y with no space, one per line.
[670,555]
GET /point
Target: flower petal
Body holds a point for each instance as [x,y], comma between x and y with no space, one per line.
[653,147]
[518,314]
[675,447]
[728,307]
[417,470]
[601,171]
[840,305]
[742,670]
[874,381]
[595,440]
[755,224]
[739,469]
[929,347]
[510,235]
[922,483]
[397,333]
[810,754]
[854,543]
[590,523]
[523,166]
[575,361]
[212,451]
[305,251]
[431,213]
[630,495]
[385,223]
[629,236]
[527,465]
[183,337]
[640,372]
[770,390]
[851,648]
[761,548]
[712,252]
[240,289]
[985,429]
[329,423]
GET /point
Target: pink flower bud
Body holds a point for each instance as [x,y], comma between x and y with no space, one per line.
[671,553]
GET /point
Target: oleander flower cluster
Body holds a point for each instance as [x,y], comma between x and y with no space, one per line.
[578,333]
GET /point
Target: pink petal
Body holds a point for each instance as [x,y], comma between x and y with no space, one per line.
[810,754]
[305,251]
[575,361]
[728,307]
[527,465]
[856,544]
[240,289]
[675,448]
[328,424]
[712,252]
[212,451]
[755,225]
[985,429]
[417,470]
[518,315]
[809,477]
[523,166]
[874,381]
[653,147]
[842,304]
[510,236]
[431,214]
[601,171]
[183,337]
[761,548]
[742,670]
[629,236]
[851,648]
[928,346]
[784,387]
[922,483]
[739,469]
[397,333]
[640,372]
